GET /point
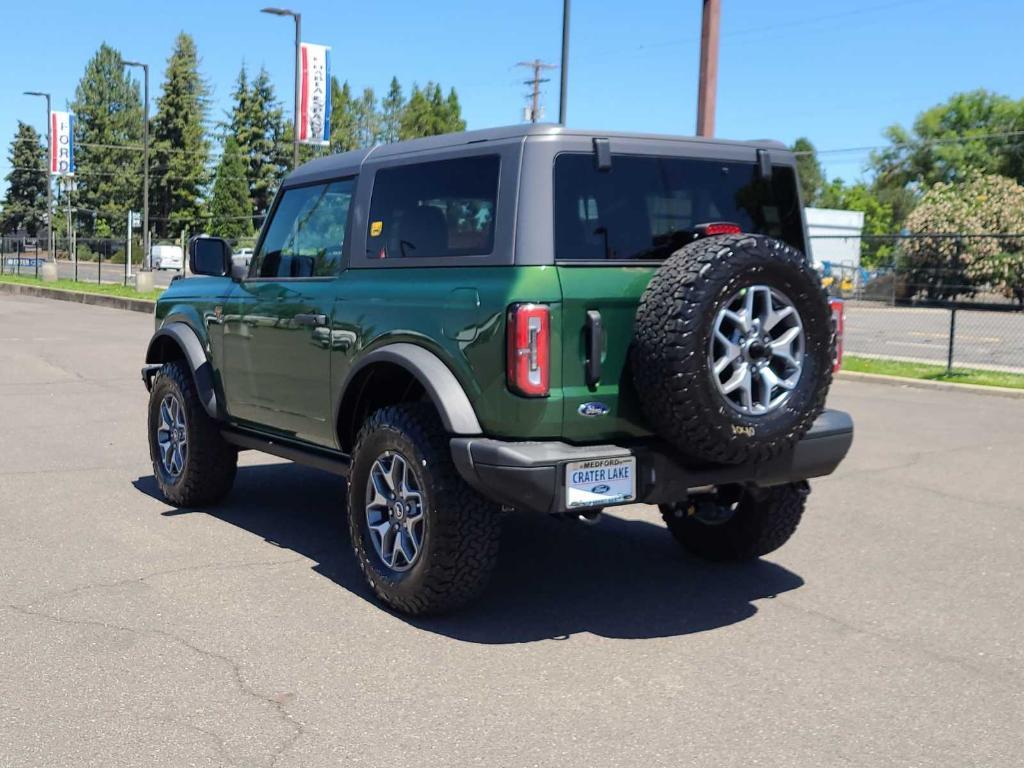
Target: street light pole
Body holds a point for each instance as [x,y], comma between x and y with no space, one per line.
[298,74]
[146,258]
[49,169]
[563,95]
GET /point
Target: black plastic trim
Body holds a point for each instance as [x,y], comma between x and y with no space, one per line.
[529,475]
[202,372]
[320,458]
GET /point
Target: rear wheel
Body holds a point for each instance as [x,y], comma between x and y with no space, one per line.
[425,541]
[737,523]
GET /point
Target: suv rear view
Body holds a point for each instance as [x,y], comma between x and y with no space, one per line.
[528,318]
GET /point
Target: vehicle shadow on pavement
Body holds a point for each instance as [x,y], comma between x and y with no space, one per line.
[555,578]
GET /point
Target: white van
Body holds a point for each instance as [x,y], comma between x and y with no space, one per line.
[166,257]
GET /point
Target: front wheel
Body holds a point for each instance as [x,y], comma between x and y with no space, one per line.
[193,465]
[737,523]
[425,541]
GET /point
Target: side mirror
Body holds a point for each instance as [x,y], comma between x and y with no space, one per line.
[209,256]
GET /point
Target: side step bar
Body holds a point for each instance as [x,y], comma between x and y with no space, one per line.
[319,458]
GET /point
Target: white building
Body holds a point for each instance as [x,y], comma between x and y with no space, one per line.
[835,235]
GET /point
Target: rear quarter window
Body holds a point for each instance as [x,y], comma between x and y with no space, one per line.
[645,208]
[434,209]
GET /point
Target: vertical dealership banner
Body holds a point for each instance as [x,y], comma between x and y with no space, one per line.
[62,144]
[315,95]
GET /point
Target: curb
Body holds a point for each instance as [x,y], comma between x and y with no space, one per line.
[948,386]
[97,299]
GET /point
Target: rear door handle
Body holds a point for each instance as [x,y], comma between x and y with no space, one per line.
[594,347]
[308,318]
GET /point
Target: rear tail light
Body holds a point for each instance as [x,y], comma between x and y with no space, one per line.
[529,349]
[718,228]
[838,321]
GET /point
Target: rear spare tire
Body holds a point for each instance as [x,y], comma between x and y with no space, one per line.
[732,357]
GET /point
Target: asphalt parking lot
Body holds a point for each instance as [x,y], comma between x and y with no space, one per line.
[887,632]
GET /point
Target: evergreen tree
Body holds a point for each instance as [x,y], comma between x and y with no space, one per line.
[812,178]
[108,137]
[428,113]
[416,117]
[230,206]
[24,205]
[343,118]
[391,113]
[264,139]
[453,116]
[368,122]
[180,149]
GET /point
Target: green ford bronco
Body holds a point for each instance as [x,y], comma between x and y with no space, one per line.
[529,318]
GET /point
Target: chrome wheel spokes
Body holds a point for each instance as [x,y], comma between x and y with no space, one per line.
[756,351]
[394,511]
[172,435]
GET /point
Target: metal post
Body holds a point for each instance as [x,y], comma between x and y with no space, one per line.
[145,158]
[99,266]
[563,94]
[36,259]
[49,170]
[707,84]
[298,74]
[298,86]
[18,255]
[952,336]
[128,250]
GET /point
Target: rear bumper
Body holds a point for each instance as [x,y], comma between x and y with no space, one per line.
[531,475]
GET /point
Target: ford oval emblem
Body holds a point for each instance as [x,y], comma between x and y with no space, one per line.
[600,489]
[593,409]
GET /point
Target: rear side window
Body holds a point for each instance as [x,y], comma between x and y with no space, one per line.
[433,210]
[646,208]
[307,232]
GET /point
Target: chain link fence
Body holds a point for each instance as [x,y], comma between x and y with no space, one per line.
[951,300]
[102,260]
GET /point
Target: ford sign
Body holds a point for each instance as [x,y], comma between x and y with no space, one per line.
[593,409]
[600,489]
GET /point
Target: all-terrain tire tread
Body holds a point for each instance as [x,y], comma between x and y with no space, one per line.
[465,528]
[667,363]
[211,462]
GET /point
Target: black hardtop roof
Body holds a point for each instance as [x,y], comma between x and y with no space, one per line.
[350,162]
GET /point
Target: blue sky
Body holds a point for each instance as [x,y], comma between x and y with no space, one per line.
[838,71]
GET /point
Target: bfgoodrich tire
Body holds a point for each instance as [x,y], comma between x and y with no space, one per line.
[425,541]
[748,525]
[732,356]
[192,463]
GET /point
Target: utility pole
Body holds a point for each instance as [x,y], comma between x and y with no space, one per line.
[707,85]
[146,258]
[563,93]
[538,66]
[298,74]
[50,255]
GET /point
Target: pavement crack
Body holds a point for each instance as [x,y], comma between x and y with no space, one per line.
[244,687]
[68,593]
[944,658]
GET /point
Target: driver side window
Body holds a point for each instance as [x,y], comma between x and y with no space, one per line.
[307,233]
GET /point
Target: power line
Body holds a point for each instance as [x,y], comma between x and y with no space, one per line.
[960,139]
[534,112]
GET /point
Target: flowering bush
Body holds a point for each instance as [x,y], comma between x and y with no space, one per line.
[945,267]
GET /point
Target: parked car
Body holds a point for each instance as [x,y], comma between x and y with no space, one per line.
[242,257]
[528,318]
[166,257]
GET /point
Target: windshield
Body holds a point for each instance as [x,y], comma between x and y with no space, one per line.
[646,208]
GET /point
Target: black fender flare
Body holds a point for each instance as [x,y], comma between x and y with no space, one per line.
[185,338]
[445,391]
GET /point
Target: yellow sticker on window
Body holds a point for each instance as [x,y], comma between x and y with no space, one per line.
[376,227]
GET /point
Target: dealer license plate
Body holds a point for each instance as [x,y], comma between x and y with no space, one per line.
[600,482]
